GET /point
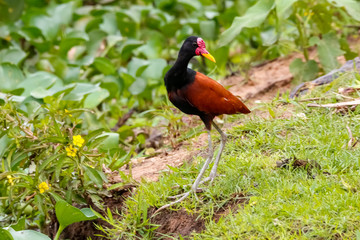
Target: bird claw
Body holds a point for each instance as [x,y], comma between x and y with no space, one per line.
[184,195]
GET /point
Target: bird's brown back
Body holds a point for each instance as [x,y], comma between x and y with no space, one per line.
[212,98]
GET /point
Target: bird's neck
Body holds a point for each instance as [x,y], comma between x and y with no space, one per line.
[179,75]
[181,63]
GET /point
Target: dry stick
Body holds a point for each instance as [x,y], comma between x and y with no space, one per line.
[122,120]
[311,99]
[335,105]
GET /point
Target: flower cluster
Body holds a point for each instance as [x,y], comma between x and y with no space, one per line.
[44,187]
[10,180]
[71,150]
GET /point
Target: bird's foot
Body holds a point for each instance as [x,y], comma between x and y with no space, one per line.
[183,196]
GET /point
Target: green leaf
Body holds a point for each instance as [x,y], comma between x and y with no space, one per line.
[138,86]
[49,160]
[253,17]
[39,80]
[4,142]
[94,176]
[12,55]
[67,214]
[104,65]
[10,77]
[80,90]
[5,235]
[11,10]
[351,6]
[95,98]
[20,225]
[126,49]
[113,84]
[328,50]
[208,29]
[27,234]
[304,71]
[127,24]
[283,7]
[110,142]
[109,24]
[72,39]
[155,69]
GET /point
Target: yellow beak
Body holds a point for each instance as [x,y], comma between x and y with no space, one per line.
[209,56]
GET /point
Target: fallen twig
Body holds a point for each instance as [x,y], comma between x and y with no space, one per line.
[123,120]
[335,105]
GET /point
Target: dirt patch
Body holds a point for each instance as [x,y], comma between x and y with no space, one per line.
[176,223]
[87,229]
[232,206]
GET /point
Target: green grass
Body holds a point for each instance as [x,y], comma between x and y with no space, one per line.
[282,203]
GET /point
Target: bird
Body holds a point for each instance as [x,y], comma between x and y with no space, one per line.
[197,94]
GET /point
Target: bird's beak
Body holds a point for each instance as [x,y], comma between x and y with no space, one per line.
[209,56]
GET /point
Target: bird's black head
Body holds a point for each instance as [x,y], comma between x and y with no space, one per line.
[195,46]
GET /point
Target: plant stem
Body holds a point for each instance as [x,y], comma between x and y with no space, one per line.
[303,41]
[58,232]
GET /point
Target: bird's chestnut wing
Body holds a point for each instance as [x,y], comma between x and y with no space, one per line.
[211,97]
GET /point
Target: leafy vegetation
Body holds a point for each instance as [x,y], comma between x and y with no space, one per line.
[70,70]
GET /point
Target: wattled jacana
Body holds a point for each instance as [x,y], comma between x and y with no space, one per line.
[196,94]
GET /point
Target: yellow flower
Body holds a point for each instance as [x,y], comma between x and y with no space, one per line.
[78,140]
[10,179]
[71,151]
[44,187]
[67,111]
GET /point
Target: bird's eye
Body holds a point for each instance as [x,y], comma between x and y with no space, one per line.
[195,44]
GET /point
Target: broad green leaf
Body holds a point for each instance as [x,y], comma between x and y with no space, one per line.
[27,234]
[304,71]
[154,46]
[94,176]
[104,65]
[191,4]
[155,69]
[20,225]
[283,7]
[268,37]
[135,64]
[11,10]
[351,6]
[80,90]
[12,55]
[126,49]
[10,77]
[138,86]
[208,29]
[253,17]
[113,84]
[95,98]
[5,235]
[110,142]
[67,214]
[328,50]
[127,24]
[4,142]
[109,24]
[72,39]
[37,80]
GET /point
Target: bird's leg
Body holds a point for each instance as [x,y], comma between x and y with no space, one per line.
[206,165]
[217,160]
[198,178]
